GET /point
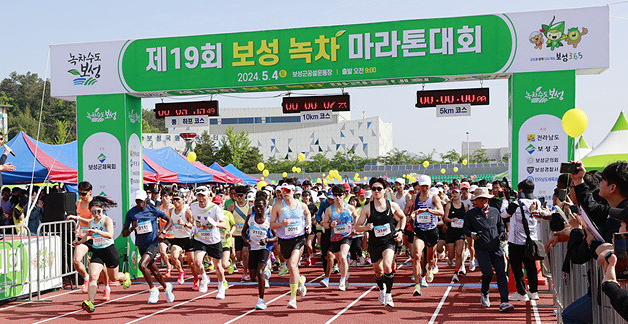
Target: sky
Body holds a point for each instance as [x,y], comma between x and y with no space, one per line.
[29,27]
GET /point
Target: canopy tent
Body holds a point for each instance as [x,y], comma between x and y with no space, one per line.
[154,173]
[582,149]
[219,176]
[232,170]
[613,148]
[172,161]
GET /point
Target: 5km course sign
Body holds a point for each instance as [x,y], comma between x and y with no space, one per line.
[385,53]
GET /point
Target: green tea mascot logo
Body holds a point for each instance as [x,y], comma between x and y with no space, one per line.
[554,32]
[574,36]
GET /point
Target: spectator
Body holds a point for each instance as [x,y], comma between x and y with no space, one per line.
[7,207]
[37,213]
[9,167]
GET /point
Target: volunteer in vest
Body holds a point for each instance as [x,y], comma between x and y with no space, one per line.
[83,216]
[339,219]
[182,223]
[380,217]
[427,209]
[165,244]
[454,216]
[291,219]
[208,220]
[484,224]
[240,209]
[260,239]
[142,219]
[104,252]
[226,239]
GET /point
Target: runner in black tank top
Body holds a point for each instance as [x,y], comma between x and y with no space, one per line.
[454,217]
[385,221]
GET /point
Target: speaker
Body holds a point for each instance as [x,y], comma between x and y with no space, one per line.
[69,202]
[53,208]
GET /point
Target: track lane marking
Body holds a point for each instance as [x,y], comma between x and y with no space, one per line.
[440,305]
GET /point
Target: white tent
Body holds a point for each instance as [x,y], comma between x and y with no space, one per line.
[582,149]
[613,148]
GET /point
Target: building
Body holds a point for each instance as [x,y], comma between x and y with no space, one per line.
[284,136]
[493,154]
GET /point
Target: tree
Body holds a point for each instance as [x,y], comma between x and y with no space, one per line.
[235,146]
[506,157]
[63,127]
[205,149]
[250,160]
[451,156]
[150,123]
[479,156]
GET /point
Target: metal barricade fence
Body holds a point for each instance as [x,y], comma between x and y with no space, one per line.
[15,262]
[55,254]
[603,312]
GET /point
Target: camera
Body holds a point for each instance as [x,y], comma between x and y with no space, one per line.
[569,168]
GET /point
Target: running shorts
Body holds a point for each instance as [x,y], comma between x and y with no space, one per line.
[430,237]
[151,251]
[184,243]
[258,258]
[287,246]
[376,251]
[239,243]
[213,250]
[334,247]
[109,256]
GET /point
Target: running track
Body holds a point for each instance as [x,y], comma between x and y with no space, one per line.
[442,302]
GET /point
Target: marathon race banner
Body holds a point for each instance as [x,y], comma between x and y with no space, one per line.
[371,54]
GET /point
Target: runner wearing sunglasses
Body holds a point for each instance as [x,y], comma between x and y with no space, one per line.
[240,209]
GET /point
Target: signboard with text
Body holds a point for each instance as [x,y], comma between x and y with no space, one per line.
[370,54]
[313,103]
[192,108]
[453,110]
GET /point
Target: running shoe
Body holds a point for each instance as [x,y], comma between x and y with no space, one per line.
[471,266]
[389,301]
[195,286]
[435,269]
[485,301]
[361,260]
[221,291]
[181,278]
[302,290]
[450,263]
[230,269]
[353,263]
[206,278]
[423,282]
[292,303]
[463,270]
[88,306]
[260,304]
[85,285]
[336,270]
[168,271]
[429,276]
[533,295]
[267,273]
[169,294]
[266,284]
[519,297]
[225,284]
[106,294]
[235,269]
[506,307]
[417,290]
[455,278]
[245,277]
[154,295]
[325,282]
[412,278]
[283,271]
[382,295]
[203,286]
[127,282]
[342,285]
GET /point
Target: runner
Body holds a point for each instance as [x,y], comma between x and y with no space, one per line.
[226,238]
[380,217]
[325,239]
[166,206]
[427,209]
[143,220]
[292,221]
[465,190]
[104,252]
[182,223]
[340,219]
[307,199]
[454,215]
[240,209]
[84,217]
[260,241]
[208,219]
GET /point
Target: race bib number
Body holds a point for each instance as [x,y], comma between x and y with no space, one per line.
[144,227]
[257,234]
[84,230]
[99,240]
[177,227]
[424,218]
[381,230]
[293,229]
[223,236]
[344,229]
[239,227]
[458,224]
[205,234]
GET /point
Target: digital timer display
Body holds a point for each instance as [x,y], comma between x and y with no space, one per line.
[193,108]
[433,98]
[293,105]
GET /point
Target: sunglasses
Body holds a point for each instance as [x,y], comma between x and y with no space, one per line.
[96,211]
[83,193]
[377,188]
[338,195]
[241,195]
[286,190]
[176,198]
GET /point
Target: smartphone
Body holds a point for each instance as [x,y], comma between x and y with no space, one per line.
[620,242]
[570,168]
[574,209]
[562,194]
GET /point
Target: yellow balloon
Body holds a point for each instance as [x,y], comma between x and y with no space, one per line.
[464,162]
[357,175]
[191,157]
[364,178]
[261,185]
[404,175]
[426,164]
[575,122]
[322,175]
[301,157]
[265,173]
[260,166]
[318,180]
[294,169]
[455,169]
[285,174]
[298,170]
[442,171]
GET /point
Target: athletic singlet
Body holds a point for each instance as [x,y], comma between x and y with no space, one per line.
[456,213]
[258,232]
[239,214]
[297,221]
[85,216]
[99,241]
[344,226]
[179,231]
[162,223]
[204,231]
[383,225]
[401,201]
[425,221]
[467,202]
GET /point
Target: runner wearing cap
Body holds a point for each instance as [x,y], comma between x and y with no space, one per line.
[379,219]
[291,219]
[143,220]
[226,238]
[165,244]
[340,219]
[182,223]
[325,240]
[104,252]
[307,199]
[465,190]
[454,216]
[208,220]
[427,209]
[240,210]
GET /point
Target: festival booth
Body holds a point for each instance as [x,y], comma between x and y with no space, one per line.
[218,175]
[612,149]
[169,159]
[232,170]
[582,149]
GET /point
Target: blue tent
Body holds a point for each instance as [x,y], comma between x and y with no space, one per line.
[247,179]
[172,161]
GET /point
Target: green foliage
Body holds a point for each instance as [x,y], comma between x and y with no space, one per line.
[205,149]
[150,123]
[451,156]
[235,146]
[479,156]
[63,127]
[397,157]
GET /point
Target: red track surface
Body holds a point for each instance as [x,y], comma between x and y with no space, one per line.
[321,305]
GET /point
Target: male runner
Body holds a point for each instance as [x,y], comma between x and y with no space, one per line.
[240,210]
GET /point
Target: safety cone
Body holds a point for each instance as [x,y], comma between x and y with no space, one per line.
[512,287]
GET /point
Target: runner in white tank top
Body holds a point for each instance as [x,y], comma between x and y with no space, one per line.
[182,223]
